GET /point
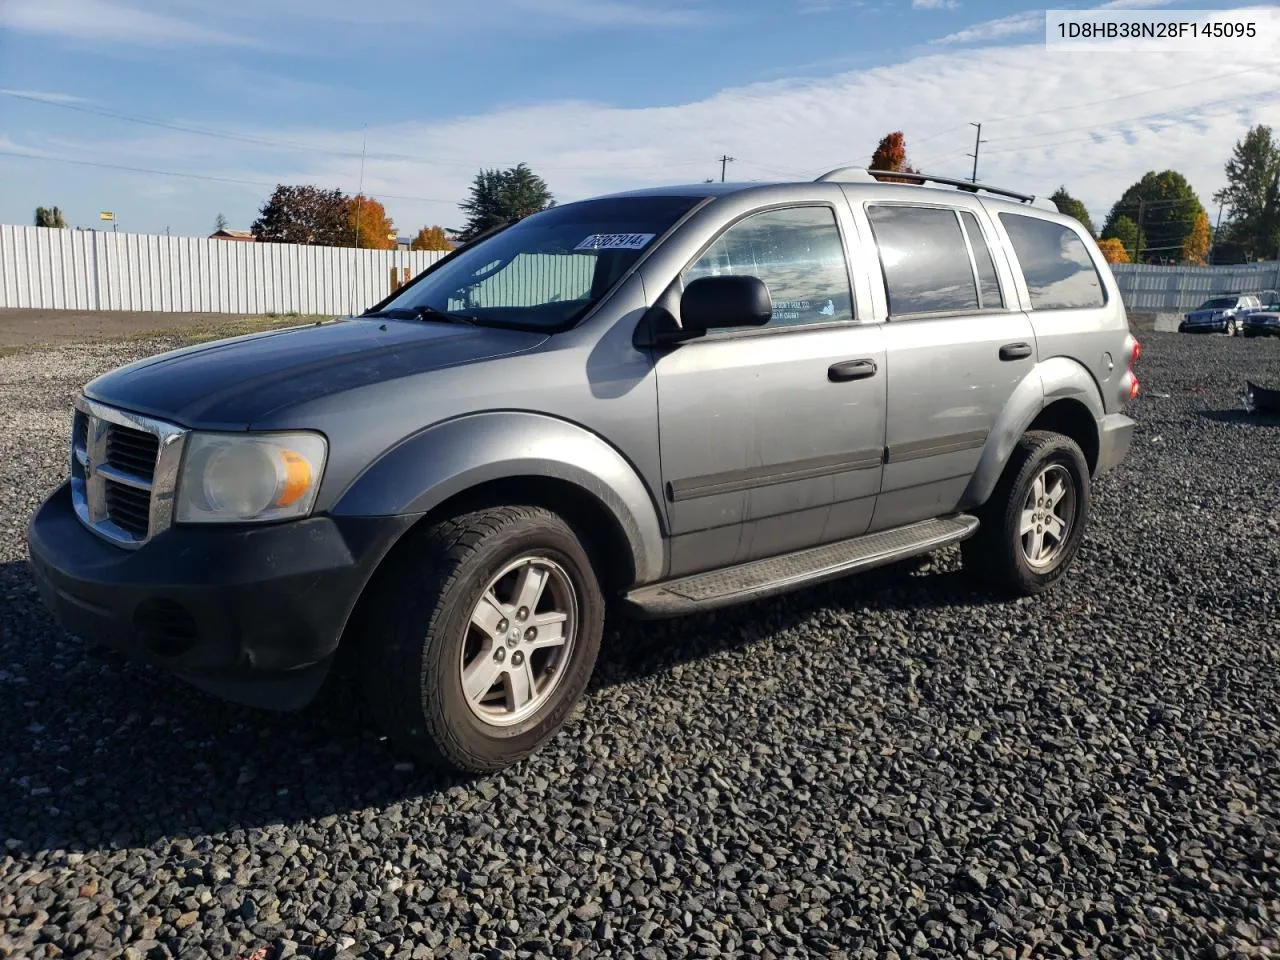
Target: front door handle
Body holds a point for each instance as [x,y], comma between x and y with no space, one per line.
[851,370]
[1015,351]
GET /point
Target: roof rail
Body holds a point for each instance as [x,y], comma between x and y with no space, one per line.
[836,175]
[922,178]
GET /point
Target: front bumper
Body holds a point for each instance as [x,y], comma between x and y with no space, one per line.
[251,614]
[1261,329]
[1204,326]
[1115,435]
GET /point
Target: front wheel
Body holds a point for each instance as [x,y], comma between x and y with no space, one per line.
[481,637]
[1031,528]
[1232,328]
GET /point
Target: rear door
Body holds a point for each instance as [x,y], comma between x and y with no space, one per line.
[771,437]
[956,350]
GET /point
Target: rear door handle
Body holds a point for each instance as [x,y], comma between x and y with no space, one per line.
[1015,351]
[851,370]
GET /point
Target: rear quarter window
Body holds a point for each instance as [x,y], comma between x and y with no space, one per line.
[1059,272]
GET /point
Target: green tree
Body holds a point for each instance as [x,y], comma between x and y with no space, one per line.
[1126,231]
[219,223]
[1164,207]
[1072,207]
[501,195]
[1252,194]
[304,214]
[50,217]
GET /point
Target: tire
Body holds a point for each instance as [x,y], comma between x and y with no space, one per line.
[1232,327]
[996,556]
[422,645]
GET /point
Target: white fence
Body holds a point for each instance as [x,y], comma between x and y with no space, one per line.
[86,270]
[1154,289]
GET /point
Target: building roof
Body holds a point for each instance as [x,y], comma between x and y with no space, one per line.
[233,234]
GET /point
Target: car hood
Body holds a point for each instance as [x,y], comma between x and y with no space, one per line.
[230,384]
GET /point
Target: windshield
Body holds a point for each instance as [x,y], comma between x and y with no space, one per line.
[1219,303]
[549,269]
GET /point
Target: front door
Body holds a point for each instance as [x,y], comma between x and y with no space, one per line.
[956,353]
[771,438]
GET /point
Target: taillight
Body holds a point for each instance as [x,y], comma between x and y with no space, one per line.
[1134,384]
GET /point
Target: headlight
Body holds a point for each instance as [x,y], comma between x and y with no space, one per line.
[242,477]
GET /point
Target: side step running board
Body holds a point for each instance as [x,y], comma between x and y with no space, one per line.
[774,575]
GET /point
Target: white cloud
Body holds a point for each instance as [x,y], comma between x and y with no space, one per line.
[1063,125]
[1010,26]
[107,21]
[934,4]
[44,95]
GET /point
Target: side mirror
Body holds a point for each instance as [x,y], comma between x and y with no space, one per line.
[712,303]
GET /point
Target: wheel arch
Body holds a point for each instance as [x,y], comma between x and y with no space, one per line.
[1059,395]
[517,457]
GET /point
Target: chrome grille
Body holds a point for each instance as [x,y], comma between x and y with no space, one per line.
[132,450]
[124,468]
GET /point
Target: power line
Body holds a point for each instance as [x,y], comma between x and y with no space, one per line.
[304,147]
[189,176]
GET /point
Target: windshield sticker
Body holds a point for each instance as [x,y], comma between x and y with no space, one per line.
[615,241]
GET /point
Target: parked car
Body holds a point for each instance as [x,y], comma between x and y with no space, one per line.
[1222,314]
[1261,323]
[669,400]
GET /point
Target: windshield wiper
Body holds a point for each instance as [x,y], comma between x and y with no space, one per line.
[424,311]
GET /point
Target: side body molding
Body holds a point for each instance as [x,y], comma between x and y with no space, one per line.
[1058,378]
[453,456]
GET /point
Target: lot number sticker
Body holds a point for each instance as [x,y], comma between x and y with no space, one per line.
[615,241]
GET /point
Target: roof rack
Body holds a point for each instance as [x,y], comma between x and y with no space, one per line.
[863,175]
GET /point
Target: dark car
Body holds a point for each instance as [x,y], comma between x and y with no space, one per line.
[1262,323]
[1222,314]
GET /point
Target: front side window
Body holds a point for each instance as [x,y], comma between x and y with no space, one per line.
[925,261]
[798,254]
[548,270]
[1059,272]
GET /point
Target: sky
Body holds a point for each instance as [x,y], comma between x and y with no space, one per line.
[103,103]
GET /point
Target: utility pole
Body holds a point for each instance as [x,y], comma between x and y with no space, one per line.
[1216,229]
[1137,240]
[724,162]
[364,139]
[977,144]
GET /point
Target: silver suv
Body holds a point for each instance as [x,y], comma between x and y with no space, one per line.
[672,399]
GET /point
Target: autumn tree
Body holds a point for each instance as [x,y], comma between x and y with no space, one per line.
[431,238]
[1113,249]
[501,195]
[1127,232]
[50,217]
[1073,208]
[1195,249]
[368,225]
[304,214]
[891,154]
[1164,208]
[1252,194]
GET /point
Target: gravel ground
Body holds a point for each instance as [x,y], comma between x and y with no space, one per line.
[885,767]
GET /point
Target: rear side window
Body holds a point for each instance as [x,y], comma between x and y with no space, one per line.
[926,263]
[1059,272]
[988,284]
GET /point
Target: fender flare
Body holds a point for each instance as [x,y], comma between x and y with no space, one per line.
[1059,378]
[453,456]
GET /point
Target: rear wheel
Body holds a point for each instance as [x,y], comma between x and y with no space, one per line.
[482,636]
[1031,528]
